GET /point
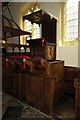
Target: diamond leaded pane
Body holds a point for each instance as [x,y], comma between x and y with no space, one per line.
[71,25]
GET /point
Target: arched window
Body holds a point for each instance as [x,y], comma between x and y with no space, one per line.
[34,28]
[9,50]
[70,21]
[16,49]
[22,49]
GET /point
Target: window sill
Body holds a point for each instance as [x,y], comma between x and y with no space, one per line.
[69,43]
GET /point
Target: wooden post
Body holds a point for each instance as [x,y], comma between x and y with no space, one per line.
[77,98]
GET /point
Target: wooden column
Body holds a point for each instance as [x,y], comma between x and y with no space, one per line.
[77,98]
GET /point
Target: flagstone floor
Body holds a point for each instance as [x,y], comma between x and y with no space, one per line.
[64,110]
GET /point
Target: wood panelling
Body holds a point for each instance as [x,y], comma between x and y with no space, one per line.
[39,91]
[77,98]
[38,88]
[48,94]
[70,73]
[7,75]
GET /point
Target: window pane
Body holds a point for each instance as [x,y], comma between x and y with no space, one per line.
[34,28]
[71,24]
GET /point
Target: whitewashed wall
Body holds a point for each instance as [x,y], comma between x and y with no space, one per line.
[70,54]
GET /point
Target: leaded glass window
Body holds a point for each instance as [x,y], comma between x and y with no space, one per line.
[36,31]
[34,28]
[71,20]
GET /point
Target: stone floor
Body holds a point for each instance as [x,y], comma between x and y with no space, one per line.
[63,111]
[66,108]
